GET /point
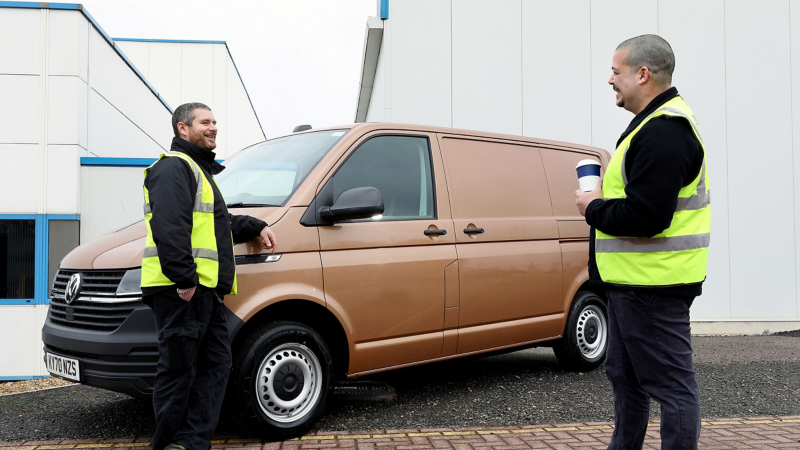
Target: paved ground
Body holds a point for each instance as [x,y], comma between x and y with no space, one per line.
[733,433]
[740,376]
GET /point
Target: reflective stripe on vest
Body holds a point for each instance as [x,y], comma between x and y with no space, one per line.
[204,242]
[679,254]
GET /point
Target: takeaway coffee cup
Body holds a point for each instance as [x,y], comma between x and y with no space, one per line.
[588,174]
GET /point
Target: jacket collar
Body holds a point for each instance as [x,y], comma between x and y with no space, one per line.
[654,104]
[203,158]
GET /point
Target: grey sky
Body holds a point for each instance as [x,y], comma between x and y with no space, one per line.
[300,59]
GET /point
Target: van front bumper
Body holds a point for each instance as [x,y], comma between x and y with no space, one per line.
[123,360]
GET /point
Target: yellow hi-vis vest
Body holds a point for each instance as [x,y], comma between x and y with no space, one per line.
[679,254]
[204,241]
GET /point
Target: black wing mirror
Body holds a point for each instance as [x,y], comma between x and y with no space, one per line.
[354,203]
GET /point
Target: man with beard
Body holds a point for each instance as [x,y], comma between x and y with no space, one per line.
[187,269]
[651,226]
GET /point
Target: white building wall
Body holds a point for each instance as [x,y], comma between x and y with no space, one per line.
[540,68]
[66,94]
[181,73]
[110,209]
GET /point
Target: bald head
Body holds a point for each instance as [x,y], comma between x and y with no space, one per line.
[653,52]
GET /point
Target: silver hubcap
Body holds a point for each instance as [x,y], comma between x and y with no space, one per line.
[288,383]
[592,332]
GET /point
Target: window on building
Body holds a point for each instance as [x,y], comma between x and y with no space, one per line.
[18,250]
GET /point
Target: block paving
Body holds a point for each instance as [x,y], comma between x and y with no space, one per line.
[728,433]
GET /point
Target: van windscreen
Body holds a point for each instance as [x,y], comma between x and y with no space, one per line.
[267,174]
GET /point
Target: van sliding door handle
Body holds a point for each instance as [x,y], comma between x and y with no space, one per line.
[439,232]
[473,230]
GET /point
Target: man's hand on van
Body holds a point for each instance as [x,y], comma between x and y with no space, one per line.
[582,199]
[269,239]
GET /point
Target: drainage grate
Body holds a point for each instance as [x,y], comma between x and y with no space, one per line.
[364,390]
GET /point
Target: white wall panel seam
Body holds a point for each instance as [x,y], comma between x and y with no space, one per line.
[451,64]
[44,82]
[129,119]
[591,85]
[727,143]
[794,177]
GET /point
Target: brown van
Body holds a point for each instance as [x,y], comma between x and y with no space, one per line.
[399,245]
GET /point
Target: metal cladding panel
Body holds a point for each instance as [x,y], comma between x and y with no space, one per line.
[421,75]
[164,70]
[243,126]
[112,78]
[487,68]
[197,81]
[612,23]
[111,134]
[19,109]
[69,44]
[138,53]
[65,107]
[22,181]
[220,103]
[20,39]
[379,90]
[111,198]
[700,56]
[795,44]
[762,230]
[63,170]
[22,325]
[556,79]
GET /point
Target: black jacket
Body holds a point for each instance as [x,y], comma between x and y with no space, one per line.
[172,186]
[664,156]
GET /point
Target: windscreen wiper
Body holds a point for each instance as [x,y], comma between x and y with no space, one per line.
[250,205]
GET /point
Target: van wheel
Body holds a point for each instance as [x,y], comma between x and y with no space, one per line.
[585,340]
[282,374]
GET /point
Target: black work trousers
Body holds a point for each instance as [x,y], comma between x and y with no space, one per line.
[193,367]
[650,356]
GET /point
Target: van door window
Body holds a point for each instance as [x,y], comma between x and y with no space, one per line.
[400,168]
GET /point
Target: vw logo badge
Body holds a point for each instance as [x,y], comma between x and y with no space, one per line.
[73,287]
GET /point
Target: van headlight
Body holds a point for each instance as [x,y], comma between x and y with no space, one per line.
[131,283]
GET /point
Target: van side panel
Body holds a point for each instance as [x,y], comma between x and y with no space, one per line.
[510,274]
[573,255]
[559,166]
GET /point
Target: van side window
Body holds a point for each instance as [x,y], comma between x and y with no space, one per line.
[400,168]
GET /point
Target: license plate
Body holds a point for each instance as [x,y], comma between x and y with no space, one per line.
[64,367]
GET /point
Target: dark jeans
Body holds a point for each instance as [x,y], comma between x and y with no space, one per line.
[650,356]
[193,367]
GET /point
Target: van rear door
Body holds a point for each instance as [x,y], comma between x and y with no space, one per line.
[507,241]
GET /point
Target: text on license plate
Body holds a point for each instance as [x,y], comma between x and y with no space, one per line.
[65,367]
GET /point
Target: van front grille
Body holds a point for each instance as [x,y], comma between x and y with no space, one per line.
[105,316]
[94,283]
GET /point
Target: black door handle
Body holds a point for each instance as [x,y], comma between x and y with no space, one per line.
[473,230]
[438,232]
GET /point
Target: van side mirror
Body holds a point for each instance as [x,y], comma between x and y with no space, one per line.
[354,203]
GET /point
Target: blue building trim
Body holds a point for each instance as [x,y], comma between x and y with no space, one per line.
[383,9]
[97,161]
[82,9]
[41,258]
[13,378]
[176,41]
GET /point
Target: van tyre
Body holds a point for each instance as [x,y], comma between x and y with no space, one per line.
[585,341]
[281,378]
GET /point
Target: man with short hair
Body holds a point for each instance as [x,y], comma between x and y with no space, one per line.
[651,225]
[187,269]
